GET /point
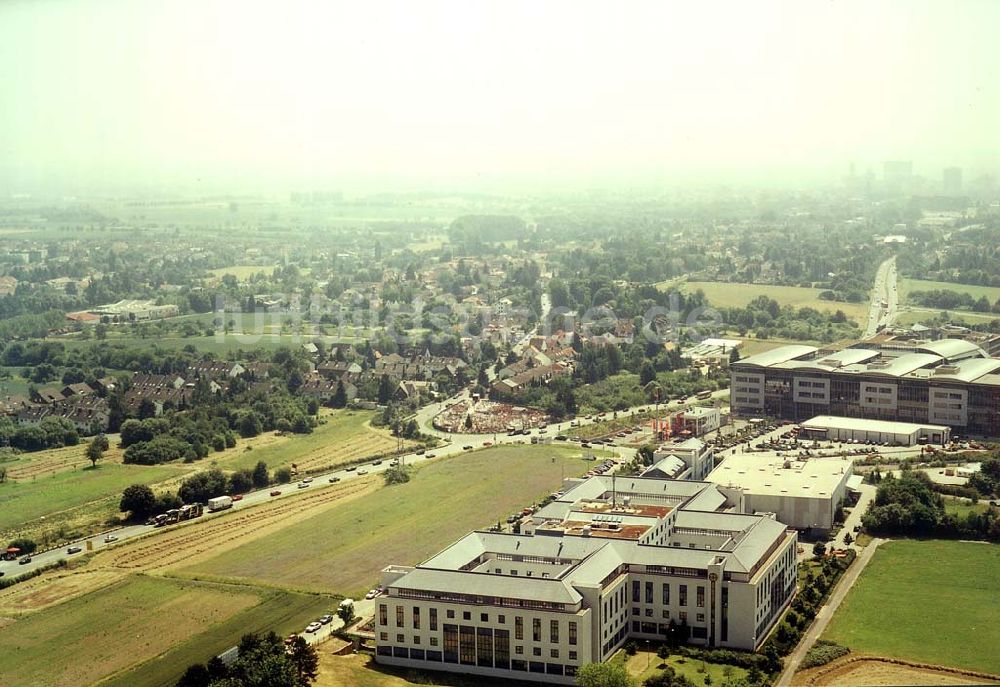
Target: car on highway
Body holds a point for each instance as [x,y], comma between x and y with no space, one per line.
[25,560]
[110,538]
[74,549]
[326,619]
[313,626]
[334,479]
[276,492]
[237,497]
[429,456]
[362,472]
[467,447]
[420,452]
[303,485]
[376,462]
[351,468]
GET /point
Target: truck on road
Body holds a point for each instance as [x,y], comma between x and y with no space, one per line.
[220,503]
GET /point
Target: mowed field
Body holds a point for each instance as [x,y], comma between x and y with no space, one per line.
[170,623]
[343,436]
[927,601]
[344,548]
[907,286]
[732,295]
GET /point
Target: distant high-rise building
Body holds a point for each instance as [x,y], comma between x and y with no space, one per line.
[951,181]
[897,175]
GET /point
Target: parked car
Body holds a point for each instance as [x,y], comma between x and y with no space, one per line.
[371,594]
[74,549]
[276,492]
[313,626]
[326,619]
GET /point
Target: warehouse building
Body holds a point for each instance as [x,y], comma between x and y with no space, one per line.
[874,431]
[803,494]
[948,382]
[610,560]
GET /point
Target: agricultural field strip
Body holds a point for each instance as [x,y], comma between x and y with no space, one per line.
[187,541]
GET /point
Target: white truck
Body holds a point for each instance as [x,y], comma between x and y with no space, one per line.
[220,503]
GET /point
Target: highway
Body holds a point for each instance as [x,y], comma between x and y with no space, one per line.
[455,444]
[885,299]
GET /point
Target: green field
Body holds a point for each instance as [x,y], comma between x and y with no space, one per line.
[906,286]
[26,501]
[731,295]
[344,548]
[930,601]
[342,437]
[137,619]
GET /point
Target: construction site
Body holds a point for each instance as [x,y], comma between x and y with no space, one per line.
[488,417]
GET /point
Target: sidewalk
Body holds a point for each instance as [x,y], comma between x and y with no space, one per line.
[825,613]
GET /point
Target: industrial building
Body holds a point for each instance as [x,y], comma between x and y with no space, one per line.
[689,459]
[801,493]
[874,431]
[950,382]
[610,560]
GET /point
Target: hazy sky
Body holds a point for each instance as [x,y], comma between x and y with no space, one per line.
[324,94]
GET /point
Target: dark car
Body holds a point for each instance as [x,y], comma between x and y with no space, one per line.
[74,549]
[23,561]
[467,447]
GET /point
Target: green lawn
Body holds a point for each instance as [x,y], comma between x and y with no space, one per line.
[88,638]
[932,601]
[344,548]
[732,295]
[29,500]
[343,436]
[645,664]
[962,507]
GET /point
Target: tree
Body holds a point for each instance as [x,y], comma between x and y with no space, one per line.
[819,549]
[303,657]
[282,476]
[196,675]
[260,477]
[240,481]
[25,545]
[603,675]
[202,486]
[397,474]
[147,409]
[647,373]
[468,422]
[96,448]
[384,390]
[346,613]
[138,500]
[339,399]
[848,539]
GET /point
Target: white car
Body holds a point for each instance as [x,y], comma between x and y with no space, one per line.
[303,485]
[362,472]
[110,538]
[371,595]
[312,627]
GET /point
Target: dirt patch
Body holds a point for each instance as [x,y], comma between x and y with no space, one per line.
[869,670]
[49,589]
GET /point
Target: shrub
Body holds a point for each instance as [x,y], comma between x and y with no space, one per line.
[822,653]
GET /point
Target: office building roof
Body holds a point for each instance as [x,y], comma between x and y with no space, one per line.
[866,425]
[776,355]
[777,476]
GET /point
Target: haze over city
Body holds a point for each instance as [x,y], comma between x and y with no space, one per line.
[190,95]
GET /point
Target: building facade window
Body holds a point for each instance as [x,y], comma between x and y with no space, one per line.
[383,615]
[649,592]
[536,629]
[518,627]
[701,597]
[399,616]
[467,645]
[666,594]
[416,617]
[434,619]
[572,633]
[635,591]
[683,593]
[554,631]
[450,643]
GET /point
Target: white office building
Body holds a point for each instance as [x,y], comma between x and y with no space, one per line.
[612,559]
